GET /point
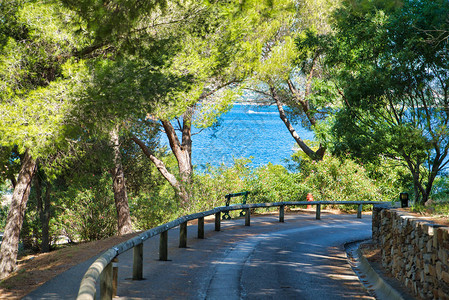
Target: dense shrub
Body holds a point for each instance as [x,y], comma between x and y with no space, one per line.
[390,178]
[339,180]
[211,186]
[440,189]
[87,211]
[273,183]
[331,179]
[152,209]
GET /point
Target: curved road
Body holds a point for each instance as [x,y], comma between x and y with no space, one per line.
[302,258]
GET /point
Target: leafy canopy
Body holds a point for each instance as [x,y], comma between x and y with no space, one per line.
[35,75]
[393,75]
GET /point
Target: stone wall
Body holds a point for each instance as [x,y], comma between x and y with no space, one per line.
[414,250]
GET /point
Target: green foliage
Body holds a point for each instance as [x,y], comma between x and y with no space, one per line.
[31,233]
[116,21]
[10,26]
[149,210]
[121,89]
[87,211]
[210,187]
[394,81]
[81,198]
[273,183]
[223,51]
[339,180]
[346,179]
[390,177]
[441,189]
[36,46]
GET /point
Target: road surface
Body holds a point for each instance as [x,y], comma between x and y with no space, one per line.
[302,258]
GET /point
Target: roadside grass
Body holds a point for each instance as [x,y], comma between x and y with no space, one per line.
[436,208]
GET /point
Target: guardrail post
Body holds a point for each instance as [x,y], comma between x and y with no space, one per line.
[359,211]
[163,246]
[114,276]
[138,262]
[318,211]
[201,227]
[217,221]
[183,235]
[106,283]
[281,213]
[247,217]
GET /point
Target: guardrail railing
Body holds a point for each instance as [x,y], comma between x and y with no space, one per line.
[103,269]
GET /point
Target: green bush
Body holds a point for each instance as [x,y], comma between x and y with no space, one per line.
[343,179]
[331,179]
[270,183]
[211,186]
[87,211]
[152,209]
[390,178]
[339,180]
[273,183]
[440,189]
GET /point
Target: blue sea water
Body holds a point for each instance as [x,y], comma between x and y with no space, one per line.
[245,131]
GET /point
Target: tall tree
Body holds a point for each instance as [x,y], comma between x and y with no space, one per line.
[394,81]
[291,71]
[133,52]
[34,77]
[10,243]
[123,55]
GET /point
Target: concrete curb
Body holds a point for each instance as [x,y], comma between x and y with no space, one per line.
[373,282]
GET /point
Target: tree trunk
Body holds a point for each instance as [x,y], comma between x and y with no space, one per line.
[119,187]
[43,209]
[10,243]
[420,193]
[179,188]
[305,105]
[45,221]
[182,151]
[319,154]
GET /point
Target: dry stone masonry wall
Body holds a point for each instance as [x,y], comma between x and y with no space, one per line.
[414,250]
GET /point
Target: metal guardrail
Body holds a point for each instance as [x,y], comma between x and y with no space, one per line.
[102,268]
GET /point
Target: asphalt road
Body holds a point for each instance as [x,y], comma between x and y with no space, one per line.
[302,258]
